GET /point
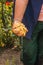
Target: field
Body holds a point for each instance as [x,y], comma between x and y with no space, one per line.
[9,57]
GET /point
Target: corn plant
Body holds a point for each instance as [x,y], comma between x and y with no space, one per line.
[6,18]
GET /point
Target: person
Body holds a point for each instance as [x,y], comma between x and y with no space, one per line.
[30,13]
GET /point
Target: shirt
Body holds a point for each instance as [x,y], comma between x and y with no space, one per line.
[31,16]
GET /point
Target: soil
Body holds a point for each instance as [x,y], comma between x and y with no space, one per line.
[9,57]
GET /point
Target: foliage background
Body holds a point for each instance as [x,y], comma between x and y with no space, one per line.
[7,38]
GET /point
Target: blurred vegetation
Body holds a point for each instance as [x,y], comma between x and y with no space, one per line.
[7,38]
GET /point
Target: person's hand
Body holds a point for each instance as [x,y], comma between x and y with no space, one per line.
[19,28]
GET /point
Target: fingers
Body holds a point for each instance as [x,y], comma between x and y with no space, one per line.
[19,29]
[21,33]
[16,31]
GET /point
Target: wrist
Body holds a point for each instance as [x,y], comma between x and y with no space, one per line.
[16,23]
[17,20]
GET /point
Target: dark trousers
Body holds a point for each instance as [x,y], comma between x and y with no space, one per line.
[32,53]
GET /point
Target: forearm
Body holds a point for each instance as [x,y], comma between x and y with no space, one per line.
[20,7]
